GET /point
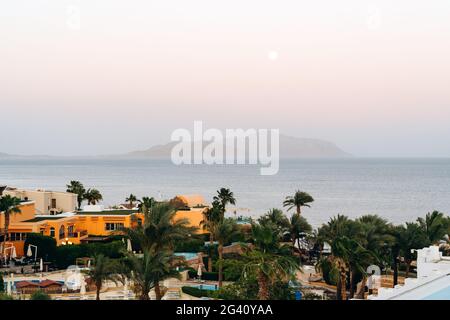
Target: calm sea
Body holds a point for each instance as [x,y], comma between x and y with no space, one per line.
[397,189]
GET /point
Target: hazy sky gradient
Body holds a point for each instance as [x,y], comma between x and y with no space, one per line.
[371,76]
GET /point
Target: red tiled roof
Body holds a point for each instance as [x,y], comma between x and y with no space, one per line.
[48,282]
[23,284]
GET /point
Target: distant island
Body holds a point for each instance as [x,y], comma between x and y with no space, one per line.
[290,147]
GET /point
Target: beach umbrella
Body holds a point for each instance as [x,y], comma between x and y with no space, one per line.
[29,251]
[129,247]
[9,287]
[41,265]
[199,271]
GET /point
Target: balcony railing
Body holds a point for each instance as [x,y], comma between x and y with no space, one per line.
[79,234]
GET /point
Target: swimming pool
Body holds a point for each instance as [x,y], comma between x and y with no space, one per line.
[443,294]
[210,287]
[187,255]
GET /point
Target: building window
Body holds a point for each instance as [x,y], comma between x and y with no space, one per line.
[53,203]
[62,232]
[70,231]
[139,221]
[52,232]
[16,236]
[113,226]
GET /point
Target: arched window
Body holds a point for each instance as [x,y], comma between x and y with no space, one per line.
[62,232]
[52,232]
[139,222]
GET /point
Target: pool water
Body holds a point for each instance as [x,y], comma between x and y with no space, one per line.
[187,255]
[211,287]
[443,294]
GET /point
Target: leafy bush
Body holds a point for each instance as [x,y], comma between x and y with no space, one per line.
[232,269]
[329,273]
[67,255]
[196,292]
[40,295]
[46,246]
[191,245]
[4,296]
[211,276]
[247,289]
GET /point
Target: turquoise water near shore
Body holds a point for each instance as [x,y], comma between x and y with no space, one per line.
[397,189]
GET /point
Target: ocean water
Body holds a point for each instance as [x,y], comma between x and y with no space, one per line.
[397,189]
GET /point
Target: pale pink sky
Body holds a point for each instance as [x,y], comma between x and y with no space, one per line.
[101,76]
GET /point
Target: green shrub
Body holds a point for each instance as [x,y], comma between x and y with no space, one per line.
[2,284]
[67,255]
[46,246]
[4,296]
[247,289]
[232,269]
[191,245]
[40,295]
[196,292]
[211,276]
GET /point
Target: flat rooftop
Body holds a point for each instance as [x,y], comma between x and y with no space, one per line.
[118,212]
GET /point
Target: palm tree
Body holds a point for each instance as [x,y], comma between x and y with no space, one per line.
[147,271]
[93,196]
[103,269]
[277,219]
[225,197]
[131,199]
[298,228]
[160,231]
[299,200]
[223,232]
[434,225]
[268,260]
[212,217]
[77,188]
[8,205]
[411,237]
[340,257]
[146,204]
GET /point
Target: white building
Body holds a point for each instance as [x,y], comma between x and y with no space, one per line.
[47,202]
[432,282]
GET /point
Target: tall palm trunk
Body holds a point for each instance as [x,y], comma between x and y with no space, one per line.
[157,291]
[144,296]
[343,277]
[352,283]
[98,286]
[211,243]
[395,267]
[408,266]
[220,250]
[5,232]
[263,291]
[299,210]
[362,290]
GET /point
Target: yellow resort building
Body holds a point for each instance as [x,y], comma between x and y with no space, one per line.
[93,223]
